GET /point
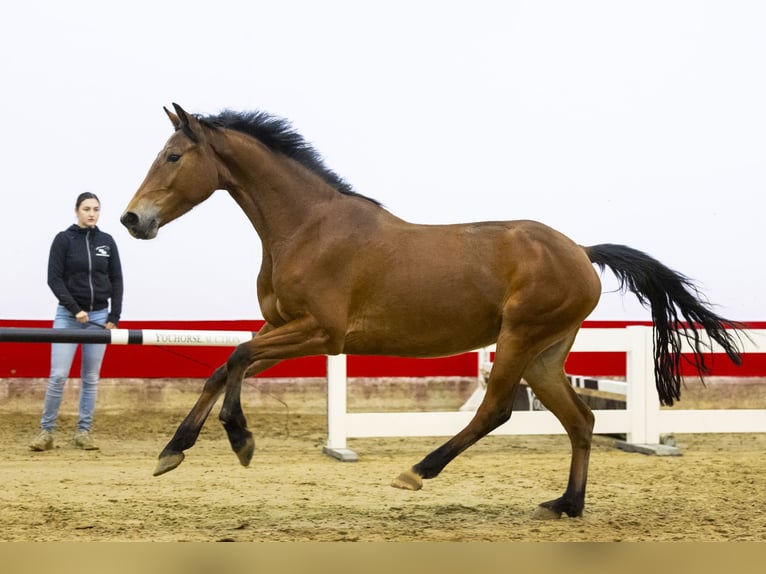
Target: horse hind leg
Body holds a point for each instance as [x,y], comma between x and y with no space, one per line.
[547,379]
[494,410]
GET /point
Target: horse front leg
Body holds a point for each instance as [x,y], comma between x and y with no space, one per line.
[188,431]
[233,418]
[295,339]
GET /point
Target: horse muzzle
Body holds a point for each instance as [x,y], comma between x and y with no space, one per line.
[139,228]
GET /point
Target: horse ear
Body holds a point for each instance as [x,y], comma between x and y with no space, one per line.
[182,115]
[188,123]
[173,118]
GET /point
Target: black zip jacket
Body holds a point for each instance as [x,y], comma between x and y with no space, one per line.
[84,271]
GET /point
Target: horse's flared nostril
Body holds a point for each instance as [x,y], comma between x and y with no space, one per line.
[129,219]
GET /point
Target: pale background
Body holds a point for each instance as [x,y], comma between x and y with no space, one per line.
[641,123]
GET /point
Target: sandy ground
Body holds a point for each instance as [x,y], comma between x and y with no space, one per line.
[291,492]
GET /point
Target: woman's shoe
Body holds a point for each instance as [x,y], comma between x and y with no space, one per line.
[83,440]
[43,441]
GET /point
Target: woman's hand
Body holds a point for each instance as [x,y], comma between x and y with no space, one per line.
[110,325]
[82,317]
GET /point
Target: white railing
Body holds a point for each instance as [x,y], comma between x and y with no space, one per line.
[642,421]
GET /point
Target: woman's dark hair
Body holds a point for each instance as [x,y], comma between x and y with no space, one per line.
[83,196]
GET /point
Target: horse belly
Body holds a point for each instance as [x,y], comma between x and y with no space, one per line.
[422,330]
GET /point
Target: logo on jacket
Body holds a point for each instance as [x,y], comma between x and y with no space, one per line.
[102,251]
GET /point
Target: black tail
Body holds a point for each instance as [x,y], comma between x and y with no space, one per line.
[668,295]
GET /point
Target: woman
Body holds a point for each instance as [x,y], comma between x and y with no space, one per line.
[84,274]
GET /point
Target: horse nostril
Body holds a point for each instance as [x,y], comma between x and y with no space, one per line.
[129,219]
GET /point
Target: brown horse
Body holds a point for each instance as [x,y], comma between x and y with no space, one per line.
[341,274]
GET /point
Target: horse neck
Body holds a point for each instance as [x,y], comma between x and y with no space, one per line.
[276,193]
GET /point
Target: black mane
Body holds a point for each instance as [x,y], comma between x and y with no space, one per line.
[279,136]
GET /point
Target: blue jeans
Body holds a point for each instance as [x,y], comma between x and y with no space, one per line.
[62,355]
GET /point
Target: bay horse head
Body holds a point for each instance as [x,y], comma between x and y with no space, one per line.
[184,174]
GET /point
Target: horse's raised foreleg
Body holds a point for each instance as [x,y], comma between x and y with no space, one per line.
[298,338]
[231,415]
[233,419]
[188,431]
[494,410]
[547,379]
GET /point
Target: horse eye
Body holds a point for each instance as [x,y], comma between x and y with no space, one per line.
[173,157]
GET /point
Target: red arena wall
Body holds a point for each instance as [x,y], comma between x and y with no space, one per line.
[32,360]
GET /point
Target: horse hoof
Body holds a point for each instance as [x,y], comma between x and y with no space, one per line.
[168,462]
[545,513]
[245,452]
[408,480]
